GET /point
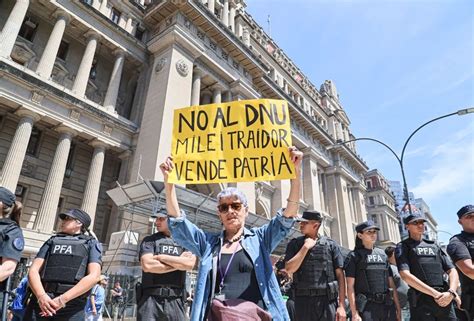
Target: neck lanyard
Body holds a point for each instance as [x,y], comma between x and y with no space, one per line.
[224,273]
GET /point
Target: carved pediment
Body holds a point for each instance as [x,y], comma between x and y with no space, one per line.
[22,51]
[60,72]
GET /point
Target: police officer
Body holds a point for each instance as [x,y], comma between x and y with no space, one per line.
[461,250]
[164,264]
[66,267]
[11,237]
[316,264]
[369,278]
[422,265]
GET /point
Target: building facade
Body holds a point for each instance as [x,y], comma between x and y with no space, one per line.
[431,226]
[87,94]
[380,204]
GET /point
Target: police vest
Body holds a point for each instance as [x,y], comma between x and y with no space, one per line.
[175,279]
[467,284]
[6,226]
[67,259]
[426,263]
[317,268]
[371,272]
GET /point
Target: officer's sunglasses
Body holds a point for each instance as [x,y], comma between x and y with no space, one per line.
[224,208]
[69,218]
[419,222]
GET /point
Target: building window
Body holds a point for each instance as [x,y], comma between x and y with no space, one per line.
[70,161]
[369,184]
[115,15]
[371,200]
[28,29]
[33,144]
[63,50]
[20,192]
[139,32]
[374,218]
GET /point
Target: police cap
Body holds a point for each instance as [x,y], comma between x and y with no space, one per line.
[79,215]
[310,215]
[7,197]
[367,225]
[414,217]
[467,209]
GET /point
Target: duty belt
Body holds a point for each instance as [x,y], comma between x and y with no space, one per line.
[164,292]
[311,292]
[377,297]
[57,287]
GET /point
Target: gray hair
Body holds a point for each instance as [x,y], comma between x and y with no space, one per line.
[232,192]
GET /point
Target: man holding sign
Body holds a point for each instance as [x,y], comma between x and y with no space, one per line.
[239,257]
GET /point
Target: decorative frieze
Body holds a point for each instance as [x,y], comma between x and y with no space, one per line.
[182,68]
[160,64]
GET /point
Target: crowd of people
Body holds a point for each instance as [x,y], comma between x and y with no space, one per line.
[237,279]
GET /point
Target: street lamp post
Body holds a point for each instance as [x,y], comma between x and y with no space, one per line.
[460,112]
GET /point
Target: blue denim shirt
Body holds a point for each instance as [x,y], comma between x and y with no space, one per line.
[258,242]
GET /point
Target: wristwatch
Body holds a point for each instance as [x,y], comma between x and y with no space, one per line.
[453,293]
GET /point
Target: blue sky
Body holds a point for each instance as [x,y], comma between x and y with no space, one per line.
[396,64]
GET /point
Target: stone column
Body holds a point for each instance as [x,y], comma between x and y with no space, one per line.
[311,193]
[206,97]
[114,83]
[103,6]
[82,77]
[129,25]
[52,191]
[196,87]
[46,63]
[217,95]
[16,154]
[211,4]
[227,96]
[225,13]
[12,27]
[246,36]
[232,17]
[124,165]
[91,191]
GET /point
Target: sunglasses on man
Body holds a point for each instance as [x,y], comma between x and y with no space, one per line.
[224,208]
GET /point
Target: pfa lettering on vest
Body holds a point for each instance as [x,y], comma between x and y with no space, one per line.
[374,258]
[425,251]
[62,249]
[170,249]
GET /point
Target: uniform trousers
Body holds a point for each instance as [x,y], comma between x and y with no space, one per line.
[158,308]
[376,312]
[428,310]
[315,308]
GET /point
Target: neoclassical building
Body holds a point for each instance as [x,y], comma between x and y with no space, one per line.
[381,207]
[87,93]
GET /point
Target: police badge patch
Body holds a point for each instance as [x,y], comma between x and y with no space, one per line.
[18,244]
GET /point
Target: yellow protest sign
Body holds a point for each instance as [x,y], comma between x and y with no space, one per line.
[238,141]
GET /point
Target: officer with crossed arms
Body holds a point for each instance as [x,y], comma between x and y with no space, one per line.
[422,264]
[316,263]
[164,264]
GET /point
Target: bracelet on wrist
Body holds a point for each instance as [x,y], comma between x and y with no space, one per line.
[453,293]
[294,202]
[61,301]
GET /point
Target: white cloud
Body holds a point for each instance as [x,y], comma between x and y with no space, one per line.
[450,167]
